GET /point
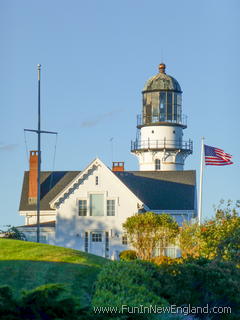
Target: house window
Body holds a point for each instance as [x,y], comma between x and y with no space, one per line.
[110,207]
[96,205]
[106,244]
[96,180]
[124,240]
[86,242]
[96,237]
[42,239]
[82,207]
[157,164]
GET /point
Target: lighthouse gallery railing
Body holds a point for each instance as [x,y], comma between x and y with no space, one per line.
[161,144]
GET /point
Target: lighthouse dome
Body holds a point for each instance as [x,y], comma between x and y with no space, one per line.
[162,81]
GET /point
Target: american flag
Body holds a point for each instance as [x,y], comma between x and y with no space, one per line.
[216,157]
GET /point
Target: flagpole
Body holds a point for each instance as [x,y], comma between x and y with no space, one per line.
[201,183]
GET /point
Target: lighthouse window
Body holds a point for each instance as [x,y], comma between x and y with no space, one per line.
[175,108]
[169,106]
[179,107]
[162,106]
[148,113]
[157,164]
[155,108]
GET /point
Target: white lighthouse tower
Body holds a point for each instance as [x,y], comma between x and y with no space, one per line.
[159,144]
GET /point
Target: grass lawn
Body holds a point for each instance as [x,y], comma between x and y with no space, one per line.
[26,265]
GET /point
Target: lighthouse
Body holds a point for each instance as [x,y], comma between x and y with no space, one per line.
[159,143]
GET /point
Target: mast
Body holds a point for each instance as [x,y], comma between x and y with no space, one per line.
[39,132]
[201,183]
[39,157]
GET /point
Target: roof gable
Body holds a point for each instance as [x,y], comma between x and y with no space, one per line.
[80,178]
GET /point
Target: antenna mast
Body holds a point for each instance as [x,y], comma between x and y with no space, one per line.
[39,131]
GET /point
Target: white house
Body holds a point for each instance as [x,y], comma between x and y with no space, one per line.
[85,209]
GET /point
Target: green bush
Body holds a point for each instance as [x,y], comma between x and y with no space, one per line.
[128,255]
[128,284]
[9,309]
[49,302]
[202,282]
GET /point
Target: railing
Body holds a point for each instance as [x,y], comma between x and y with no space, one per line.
[161,144]
[149,120]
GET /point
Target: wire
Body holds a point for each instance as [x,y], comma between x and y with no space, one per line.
[27,152]
[54,159]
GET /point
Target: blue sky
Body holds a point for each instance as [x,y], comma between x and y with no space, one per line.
[96,56]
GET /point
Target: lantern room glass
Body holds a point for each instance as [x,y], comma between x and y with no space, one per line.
[163,106]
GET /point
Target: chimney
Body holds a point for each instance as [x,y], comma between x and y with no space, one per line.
[33,175]
[118,166]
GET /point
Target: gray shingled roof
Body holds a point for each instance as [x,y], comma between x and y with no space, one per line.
[162,190]
[48,224]
[52,182]
[166,190]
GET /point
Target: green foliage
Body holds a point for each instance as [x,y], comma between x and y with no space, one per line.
[220,237]
[128,255]
[9,309]
[147,231]
[189,240]
[165,260]
[199,282]
[128,283]
[215,238]
[49,302]
[13,233]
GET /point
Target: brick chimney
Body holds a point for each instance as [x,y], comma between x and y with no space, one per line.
[33,175]
[118,166]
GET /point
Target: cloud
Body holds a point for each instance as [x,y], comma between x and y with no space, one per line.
[97,119]
[7,147]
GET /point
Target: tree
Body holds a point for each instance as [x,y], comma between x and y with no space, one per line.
[13,233]
[149,230]
[220,236]
[215,238]
[189,240]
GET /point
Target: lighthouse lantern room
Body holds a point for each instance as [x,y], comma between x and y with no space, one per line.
[159,144]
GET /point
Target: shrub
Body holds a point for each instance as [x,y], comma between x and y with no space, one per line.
[202,282]
[9,309]
[128,255]
[48,302]
[165,260]
[130,284]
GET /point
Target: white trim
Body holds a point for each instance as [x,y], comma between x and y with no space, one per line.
[34,212]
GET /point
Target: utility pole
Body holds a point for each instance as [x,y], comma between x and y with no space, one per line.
[39,132]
